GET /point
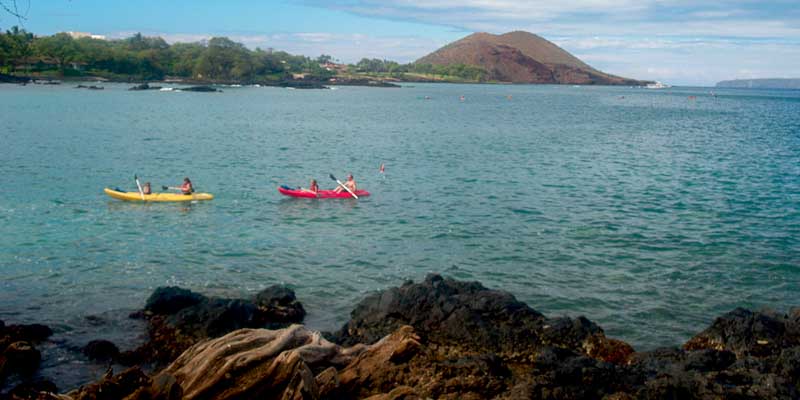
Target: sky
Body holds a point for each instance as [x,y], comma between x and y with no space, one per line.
[680,42]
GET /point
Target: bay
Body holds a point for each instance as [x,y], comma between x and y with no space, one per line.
[648,211]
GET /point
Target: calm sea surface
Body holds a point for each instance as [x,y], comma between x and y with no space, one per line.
[645,210]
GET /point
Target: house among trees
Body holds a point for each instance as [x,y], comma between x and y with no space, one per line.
[81,35]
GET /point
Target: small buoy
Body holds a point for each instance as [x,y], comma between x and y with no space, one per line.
[382,168]
[461,98]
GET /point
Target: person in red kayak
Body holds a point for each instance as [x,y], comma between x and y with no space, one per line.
[312,187]
[350,184]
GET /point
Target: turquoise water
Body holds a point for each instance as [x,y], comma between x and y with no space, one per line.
[650,214]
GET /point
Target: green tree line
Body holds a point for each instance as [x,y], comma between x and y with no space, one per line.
[460,71]
[149,58]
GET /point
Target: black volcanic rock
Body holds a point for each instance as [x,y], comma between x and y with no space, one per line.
[208,89]
[171,299]
[278,304]
[101,350]
[30,333]
[19,358]
[446,339]
[447,311]
[18,355]
[178,318]
[14,79]
[111,386]
[145,86]
[35,389]
[745,332]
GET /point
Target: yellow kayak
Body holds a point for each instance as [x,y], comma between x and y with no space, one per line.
[135,196]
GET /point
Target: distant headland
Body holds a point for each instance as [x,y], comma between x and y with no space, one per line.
[515,57]
[769,83]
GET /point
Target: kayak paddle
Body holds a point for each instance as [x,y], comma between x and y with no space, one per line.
[175,188]
[139,185]
[343,186]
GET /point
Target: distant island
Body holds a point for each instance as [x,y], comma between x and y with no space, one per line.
[521,57]
[515,57]
[770,83]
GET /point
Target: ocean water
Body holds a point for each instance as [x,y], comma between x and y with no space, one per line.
[647,211]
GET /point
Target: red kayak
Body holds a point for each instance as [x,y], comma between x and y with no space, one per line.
[322,194]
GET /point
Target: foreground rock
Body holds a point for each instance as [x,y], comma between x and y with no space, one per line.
[466,314]
[178,318]
[18,355]
[444,339]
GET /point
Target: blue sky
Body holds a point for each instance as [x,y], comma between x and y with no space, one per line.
[676,41]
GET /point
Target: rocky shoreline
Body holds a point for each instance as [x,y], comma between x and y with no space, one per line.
[439,338]
[305,83]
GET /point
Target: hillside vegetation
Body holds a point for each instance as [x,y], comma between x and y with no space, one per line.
[149,58]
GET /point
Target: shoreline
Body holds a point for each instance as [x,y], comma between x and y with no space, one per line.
[436,338]
[363,81]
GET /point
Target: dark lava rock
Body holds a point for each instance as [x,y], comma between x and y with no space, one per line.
[365,82]
[101,350]
[19,358]
[30,333]
[179,318]
[145,86]
[444,310]
[118,386]
[200,89]
[709,360]
[745,332]
[171,299]
[14,79]
[563,374]
[297,84]
[278,304]
[38,389]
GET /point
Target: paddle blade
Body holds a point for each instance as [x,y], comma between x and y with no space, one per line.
[333,177]
[164,187]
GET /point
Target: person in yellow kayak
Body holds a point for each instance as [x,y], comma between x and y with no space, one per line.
[146,188]
[350,184]
[185,188]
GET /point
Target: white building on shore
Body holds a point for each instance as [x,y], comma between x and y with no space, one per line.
[80,35]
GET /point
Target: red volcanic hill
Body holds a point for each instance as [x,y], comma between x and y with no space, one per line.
[522,57]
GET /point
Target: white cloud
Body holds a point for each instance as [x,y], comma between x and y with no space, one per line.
[703,63]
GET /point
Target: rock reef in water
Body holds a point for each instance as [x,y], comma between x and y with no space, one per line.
[145,86]
[447,339]
[208,89]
